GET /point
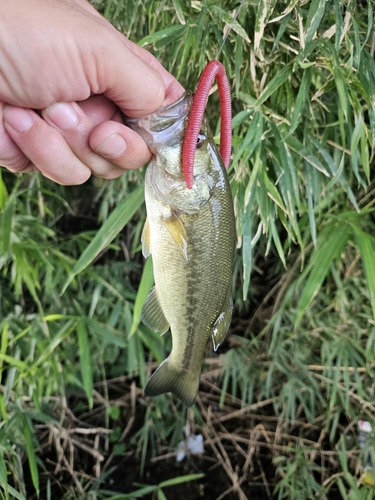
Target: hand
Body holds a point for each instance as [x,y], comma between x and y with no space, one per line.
[62,58]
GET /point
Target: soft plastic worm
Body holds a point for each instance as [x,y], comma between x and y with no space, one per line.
[214,69]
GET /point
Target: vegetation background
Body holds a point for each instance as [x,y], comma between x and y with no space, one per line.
[279,404]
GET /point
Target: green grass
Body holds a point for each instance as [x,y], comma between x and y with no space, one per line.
[299,369]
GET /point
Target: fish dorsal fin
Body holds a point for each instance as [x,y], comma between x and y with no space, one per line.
[178,232]
[146,240]
[152,314]
[221,325]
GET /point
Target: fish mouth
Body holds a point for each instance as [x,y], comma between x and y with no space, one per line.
[166,126]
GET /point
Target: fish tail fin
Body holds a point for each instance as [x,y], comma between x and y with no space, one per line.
[170,378]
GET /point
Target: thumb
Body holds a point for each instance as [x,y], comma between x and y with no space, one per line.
[140,84]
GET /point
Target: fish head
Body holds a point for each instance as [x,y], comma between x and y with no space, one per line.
[164,132]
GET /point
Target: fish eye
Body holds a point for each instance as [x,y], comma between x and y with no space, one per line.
[200,140]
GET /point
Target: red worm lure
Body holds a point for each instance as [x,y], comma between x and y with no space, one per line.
[214,69]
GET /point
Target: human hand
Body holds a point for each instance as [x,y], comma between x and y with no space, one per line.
[62,58]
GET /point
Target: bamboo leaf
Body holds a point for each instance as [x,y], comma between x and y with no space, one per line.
[3,410]
[16,494]
[108,334]
[365,155]
[310,202]
[165,34]
[285,170]
[330,245]
[109,230]
[160,494]
[247,252]
[180,480]
[252,138]
[341,90]
[144,288]
[3,474]
[264,10]
[200,28]
[232,23]
[285,12]
[272,191]
[356,136]
[152,341]
[12,361]
[238,63]
[186,52]
[276,82]
[314,17]
[3,192]
[301,100]
[276,239]
[179,13]
[303,151]
[7,222]
[31,456]
[85,359]
[366,244]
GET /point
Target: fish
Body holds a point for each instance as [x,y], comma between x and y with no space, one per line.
[191,236]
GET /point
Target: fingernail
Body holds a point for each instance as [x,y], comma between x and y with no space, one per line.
[113,146]
[18,119]
[62,115]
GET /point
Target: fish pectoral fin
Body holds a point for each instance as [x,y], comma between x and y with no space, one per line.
[146,240]
[221,325]
[178,232]
[152,314]
[171,378]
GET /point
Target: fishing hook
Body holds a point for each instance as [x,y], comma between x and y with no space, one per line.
[214,69]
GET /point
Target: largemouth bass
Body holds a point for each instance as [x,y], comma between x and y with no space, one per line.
[191,236]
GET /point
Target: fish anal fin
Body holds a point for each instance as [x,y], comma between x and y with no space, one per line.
[146,240]
[178,232]
[221,325]
[152,314]
[170,378]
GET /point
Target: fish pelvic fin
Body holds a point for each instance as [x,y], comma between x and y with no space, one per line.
[170,378]
[152,314]
[146,240]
